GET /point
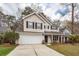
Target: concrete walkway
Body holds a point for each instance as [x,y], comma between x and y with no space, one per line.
[34,50]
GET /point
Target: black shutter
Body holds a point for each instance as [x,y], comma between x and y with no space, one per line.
[41,25]
[51,27]
[26,24]
[33,25]
[44,27]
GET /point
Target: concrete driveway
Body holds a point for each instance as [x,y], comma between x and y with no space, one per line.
[33,50]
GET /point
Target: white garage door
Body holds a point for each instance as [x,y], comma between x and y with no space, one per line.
[24,39]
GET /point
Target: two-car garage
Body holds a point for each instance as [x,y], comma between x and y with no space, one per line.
[34,38]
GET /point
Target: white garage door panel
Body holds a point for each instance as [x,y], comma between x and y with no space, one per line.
[30,39]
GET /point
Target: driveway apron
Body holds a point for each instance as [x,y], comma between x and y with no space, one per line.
[34,50]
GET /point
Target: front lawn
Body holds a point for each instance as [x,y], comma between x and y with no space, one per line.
[5,49]
[66,49]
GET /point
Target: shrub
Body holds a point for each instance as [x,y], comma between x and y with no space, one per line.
[74,38]
[16,36]
[1,38]
[77,38]
[11,37]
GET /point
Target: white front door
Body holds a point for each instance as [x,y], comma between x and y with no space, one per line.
[30,39]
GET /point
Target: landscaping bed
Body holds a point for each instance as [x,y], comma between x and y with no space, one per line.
[66,49]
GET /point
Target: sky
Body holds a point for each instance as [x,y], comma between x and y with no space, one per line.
[54,11]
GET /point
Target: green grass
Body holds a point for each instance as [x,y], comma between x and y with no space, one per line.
[5,49]
[66,49]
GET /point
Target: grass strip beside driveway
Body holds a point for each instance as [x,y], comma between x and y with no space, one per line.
[5,49]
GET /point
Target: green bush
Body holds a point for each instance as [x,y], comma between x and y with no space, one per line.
[11,37]
[77,38]
[16,36]
[74,38]
[1,38]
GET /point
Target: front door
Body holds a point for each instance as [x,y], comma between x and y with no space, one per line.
[46,38]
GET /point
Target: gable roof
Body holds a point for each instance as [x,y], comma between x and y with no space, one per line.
[31,15]
[42,17]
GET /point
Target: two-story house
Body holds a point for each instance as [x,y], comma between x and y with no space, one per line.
[37,28]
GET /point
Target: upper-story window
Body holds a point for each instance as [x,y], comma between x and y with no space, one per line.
[54,28]
[48,27]
[33,25]
[39,25]
[44,27]
[29,24]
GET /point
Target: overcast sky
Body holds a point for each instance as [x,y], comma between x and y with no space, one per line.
[50,9]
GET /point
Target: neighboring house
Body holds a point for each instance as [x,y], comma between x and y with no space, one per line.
[65,31]
[37,28]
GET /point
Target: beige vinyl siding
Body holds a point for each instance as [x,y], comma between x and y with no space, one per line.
[34,19]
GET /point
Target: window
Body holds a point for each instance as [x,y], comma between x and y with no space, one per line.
[39,25]
[33,25]
[54,28]
[48,27]
[29,24]
[44,27]
[55,37]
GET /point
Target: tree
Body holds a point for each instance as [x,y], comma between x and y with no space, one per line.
[11,37]
[33,8]
[56,23]
[1,38]
[14,26]
[72,18]
[10,20]
[1,15]
[73,5]
[36,7]
[27,11]
[68,25]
